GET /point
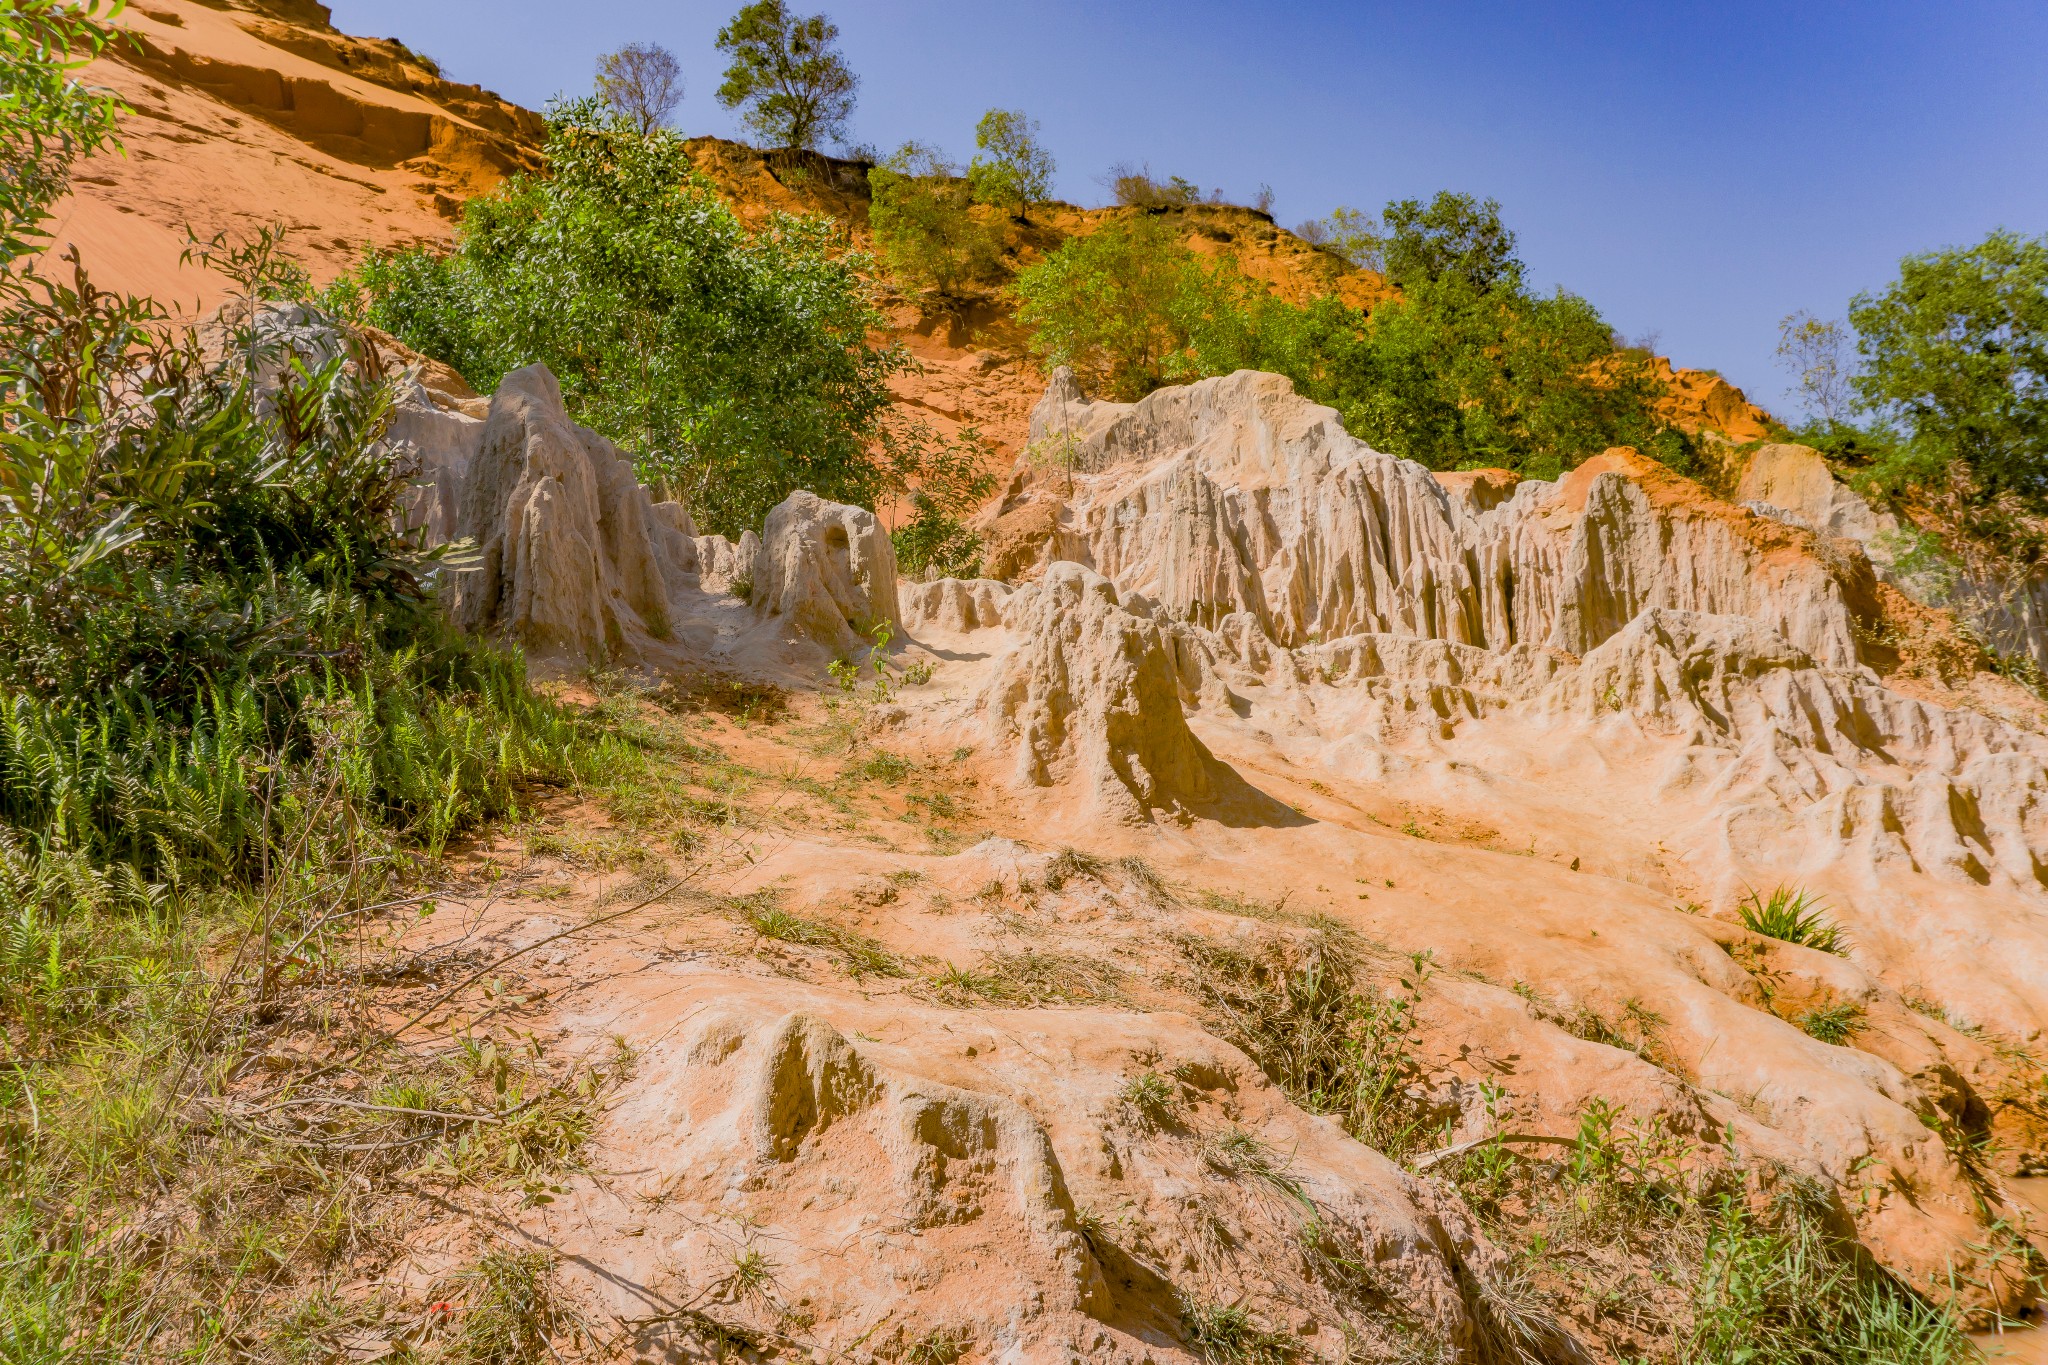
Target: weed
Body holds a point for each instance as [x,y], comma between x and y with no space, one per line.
[1335,1044]
[1245,907]
[752,1276]
[512,1314]
[1154,1098]
[1070,864]
[883,767]
[918,673]
[1835,1024]
[862,956]
[1792,916]
[940,1346]
[1227,1334]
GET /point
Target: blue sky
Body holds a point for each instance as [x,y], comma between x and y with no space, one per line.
[1697,171]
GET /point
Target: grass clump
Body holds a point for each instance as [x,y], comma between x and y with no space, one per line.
[511,1311]
[1337,1043]
[861,955]
[1033,978]
[1835,1024]
[1792,916]
[1228,1334]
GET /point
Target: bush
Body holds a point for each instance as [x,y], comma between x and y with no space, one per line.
[733,366]
[1463,369]
[200,588]
[1955,357]
[924,226]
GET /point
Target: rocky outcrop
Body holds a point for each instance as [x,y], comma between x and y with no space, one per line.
[573,557]
[1088,696]
[1793,483]
[827,572]
[1235,495]
[954,604]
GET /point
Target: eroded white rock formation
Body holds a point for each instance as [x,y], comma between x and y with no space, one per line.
[828,572]
[1235,495]
[1087,695]
[574,558]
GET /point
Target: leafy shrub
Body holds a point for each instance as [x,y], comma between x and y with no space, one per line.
[1955,357]
[48,119]
[733,365]
[1792,916]
[1135,187]
[924,225]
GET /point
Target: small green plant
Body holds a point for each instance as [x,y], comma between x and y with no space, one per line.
[1834,1024]
[1792,916]
[512,1311]
[863,956]
[752,1275]
[742,586]
[1153,1097]
[1227,1334]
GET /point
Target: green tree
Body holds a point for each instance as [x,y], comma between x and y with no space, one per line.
[1113,304]
[787,74]
[923,224]
[48,119]
[733,365]
[1453,235]
[1465,368]
[1015,169]
[644,82]
[1955,356]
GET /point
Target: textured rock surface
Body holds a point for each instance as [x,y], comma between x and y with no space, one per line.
[954,604]
[1236,495]
[574,558]
[827,572]
[1088,696]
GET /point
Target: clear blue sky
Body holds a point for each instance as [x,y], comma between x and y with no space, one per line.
[1697,171]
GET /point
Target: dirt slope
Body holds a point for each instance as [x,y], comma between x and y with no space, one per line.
[259,111]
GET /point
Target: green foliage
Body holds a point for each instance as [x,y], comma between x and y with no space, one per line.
[923,226]
[1464,369]
[1790,915]
[1015,169]
[1136,187]
[1955,354]
[1354,235]
[1778,1289]
[48,120]
[1834,1024]
[1452,237]
[1130,307]
[952,478]
[734,366]
[787,75]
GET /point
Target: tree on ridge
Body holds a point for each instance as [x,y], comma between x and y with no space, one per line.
[787,74]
